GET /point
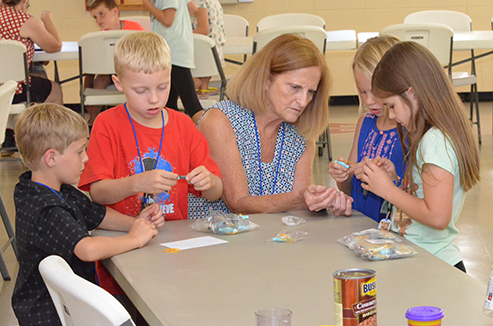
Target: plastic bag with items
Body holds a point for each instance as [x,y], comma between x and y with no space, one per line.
[373,244]
[220,222]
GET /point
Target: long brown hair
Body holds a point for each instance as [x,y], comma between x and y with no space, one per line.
[409,64]
[285,53]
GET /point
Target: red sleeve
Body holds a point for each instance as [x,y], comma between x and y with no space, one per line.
[101,159]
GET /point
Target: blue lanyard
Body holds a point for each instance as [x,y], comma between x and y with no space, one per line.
[52,190]
[137,142]
[259,158]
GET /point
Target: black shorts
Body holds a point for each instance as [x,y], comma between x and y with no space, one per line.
[40,90]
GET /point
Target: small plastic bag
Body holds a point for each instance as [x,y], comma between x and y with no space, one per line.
[220,222]
[292,220]
[381,249]
[370,234]
[290,236]
[373,244]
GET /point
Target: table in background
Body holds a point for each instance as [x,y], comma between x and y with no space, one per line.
[336,40]
[225,284]
[69,51]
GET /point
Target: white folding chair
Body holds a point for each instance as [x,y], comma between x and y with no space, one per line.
[291,19]
[207,64]
[315,34]
[145,21]
[13,66]
[459,22]
[235,26]
[79,302]
[7,91]
[96,57]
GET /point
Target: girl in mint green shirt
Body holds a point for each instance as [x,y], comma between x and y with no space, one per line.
[442,158]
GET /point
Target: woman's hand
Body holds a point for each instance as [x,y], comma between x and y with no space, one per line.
[319,197]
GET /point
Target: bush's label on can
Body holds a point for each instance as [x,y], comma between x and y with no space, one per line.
[355,298]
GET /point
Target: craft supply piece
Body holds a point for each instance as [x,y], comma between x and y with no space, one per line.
[424,316]
[355,297]
[181,177]
[343,164]
[290,236]
[171,250]
[292,220]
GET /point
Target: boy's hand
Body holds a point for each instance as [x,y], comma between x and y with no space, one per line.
[143,231]
[153,214]
[201,178]
[339,173]
[155,181]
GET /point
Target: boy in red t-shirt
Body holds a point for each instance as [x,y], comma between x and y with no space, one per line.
[107,16]
[140,151]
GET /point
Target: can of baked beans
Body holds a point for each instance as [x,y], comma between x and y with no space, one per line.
[355,297]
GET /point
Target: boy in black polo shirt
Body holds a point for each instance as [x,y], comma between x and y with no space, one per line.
[54,218]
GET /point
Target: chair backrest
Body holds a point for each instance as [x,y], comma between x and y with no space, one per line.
[96,51]
[458,21]
[290,20]
[78,301]
[13,64]
[435,37]
[7,91]
[145,21]
[235,26]
[207,62]
[315,34]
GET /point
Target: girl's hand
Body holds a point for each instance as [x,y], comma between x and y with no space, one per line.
[153,214]
[357,169]
[388,166]
[375,178]
[338,172]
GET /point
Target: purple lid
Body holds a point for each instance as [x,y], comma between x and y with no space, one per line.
[424,313]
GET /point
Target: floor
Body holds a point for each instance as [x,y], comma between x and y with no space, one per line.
[475,224]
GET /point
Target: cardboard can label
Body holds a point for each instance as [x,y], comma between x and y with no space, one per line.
[355,297]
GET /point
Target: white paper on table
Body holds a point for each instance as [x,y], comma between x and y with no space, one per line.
[194,243]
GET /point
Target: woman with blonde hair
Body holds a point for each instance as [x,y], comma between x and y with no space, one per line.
[443,157]
[263,138]
[375,135]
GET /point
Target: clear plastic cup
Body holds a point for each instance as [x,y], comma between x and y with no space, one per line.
[273,317]
[424,316]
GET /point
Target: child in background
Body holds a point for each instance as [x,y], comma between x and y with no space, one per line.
[443,158]
[376,134]
[107,16]
[54,218]
[171,20]
[142,151]
[208,21]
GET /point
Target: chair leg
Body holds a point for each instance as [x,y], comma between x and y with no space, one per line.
[8,227]
[329,143]
[478,120]
[3,269]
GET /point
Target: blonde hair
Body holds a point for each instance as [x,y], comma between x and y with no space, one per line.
[283,54]
[409,64]
[142,51]
[47,126]
[369,54]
